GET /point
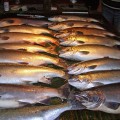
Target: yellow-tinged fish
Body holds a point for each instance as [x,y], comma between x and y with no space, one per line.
[28,48]
[28,58]
[27,38]
[25,74]
[26,29]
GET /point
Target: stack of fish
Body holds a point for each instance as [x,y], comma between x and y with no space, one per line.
[96,72]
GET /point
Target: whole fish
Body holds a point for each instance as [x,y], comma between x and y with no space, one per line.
[28,47]
[25,74]
[95,79]
[69,24]
[74,40]
[23,21]
[25,29]
[28,58]
[21,95]
[94,65]
[89,52]
[60,18]
[83,31]
[104,98]
[27,38]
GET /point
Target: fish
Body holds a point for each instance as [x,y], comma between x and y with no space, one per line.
[25,29]
[74,40]
[28,47]
[101,64]
[89,52]
[12,37]
[22,95]
[70,24]
[95,79]
[23,21]
[26,74]
[105,98]
[60,18]
[28,58]
[83,31]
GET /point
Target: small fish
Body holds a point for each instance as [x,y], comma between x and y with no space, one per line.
[105,98]
[25,29]
[95,79]
[60,18]
[89,52]
[27,38]
[69,24]
[21,95]
[28,58]
[94,65]
[74,40]
[83,31]
[28,48]
[25,74]
[22,21]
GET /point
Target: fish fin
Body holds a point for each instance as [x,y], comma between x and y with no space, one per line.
[70,24]
[47,101]
[84,52]
[79,33]
[92,67]
[52,50]
[25,63]
[97,84]
[81,42]
[45,80]
[112,105]
[62,63]
[26,82]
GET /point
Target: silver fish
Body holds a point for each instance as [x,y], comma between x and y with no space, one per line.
[22,21]
[74,40]
[24,74]
[25,29]
[70,24]
[95,79]
[27,38]
[28,58]
[60,18]
[104,98]
[28,48]
[94,65]
[89,52]
[13,96]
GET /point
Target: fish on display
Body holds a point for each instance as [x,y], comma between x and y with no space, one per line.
[69,24]
[89,52]
[28,58]
[60,18]
[13,96]
[74,40]
[105,98]
[25,29]
[28,47]
[95,79]
[23,21]
[27,38]
[83,31]
[24,74]
[94,65]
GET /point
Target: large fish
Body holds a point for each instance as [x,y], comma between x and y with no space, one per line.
[94,65]
[27,38]
[104,98]
[24,74]
[69,24]
[12,96]
[25,29]
[28,58]
[22,21]
[60,18]
[89,52]
[74,40]
[83,31]
[28,47]
[95,79]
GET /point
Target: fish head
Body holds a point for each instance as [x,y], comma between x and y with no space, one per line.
[79,82]
[91,99]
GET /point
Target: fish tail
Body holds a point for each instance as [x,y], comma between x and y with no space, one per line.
[62,63]
[52,50]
